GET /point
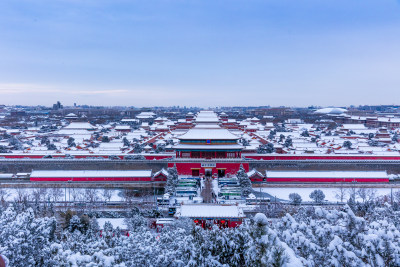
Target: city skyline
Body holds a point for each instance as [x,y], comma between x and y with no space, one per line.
[200,53]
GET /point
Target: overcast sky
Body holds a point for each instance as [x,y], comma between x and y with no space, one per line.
[200,53]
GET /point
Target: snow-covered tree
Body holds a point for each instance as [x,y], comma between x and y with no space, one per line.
[305,133]
[347,144]
[267,148]
[395,137]
[295,198]
[244,181]
[172,180]
[271,134]
[288,142]
[25,240]
[265,248]
[126,142]
[71,142]
[107,194]
[317,195]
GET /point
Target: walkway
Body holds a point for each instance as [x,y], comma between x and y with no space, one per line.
[207,191]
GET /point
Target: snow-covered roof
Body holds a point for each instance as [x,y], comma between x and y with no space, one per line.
[80,126]
[122,127]
[90,173]
[146,115]
[162,171]
[209,147]
[210,133]
[209,211]
[206,116]
[129,120]
[387,119]
[326,174]
[355,126]
[254,172]
[331,111]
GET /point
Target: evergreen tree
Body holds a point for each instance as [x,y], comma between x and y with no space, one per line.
[305,133]
[126,142]
[51,147]
[288,142]
[172,180]
[271,134]
[395,137]
[347,144]
[244,181]
[71,142]
[265,248]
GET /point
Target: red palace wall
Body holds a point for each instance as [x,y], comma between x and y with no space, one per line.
[327,180]
[157,157]
[80,156]
[256,178]
[222,223]
[253,156]
[321,157]
[90,179]
[185,168]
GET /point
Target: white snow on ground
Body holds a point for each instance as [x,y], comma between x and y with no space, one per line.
[115,222]
[186,200]
[330,193]
[12,193]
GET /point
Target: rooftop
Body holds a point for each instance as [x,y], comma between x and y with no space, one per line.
[209,211]
[213,132]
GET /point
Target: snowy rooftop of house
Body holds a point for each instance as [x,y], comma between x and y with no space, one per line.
[91,173]
[331,111]
[162,171]
[145,115]
[326,174]
[207,119]
[129,120]
[387,119]
[71,115]
[206,116]
[209,147]
[210,132]
[115,222]
[253,172]
[80,126]
[354,126]
[122,127]
[209,211]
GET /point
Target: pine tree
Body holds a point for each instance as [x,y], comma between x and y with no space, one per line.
[172,180]
[347,144]
[288,142]
[244,181]
[126,142]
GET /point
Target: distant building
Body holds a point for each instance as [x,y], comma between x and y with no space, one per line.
[208,140]
[206,216]
[57,106]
